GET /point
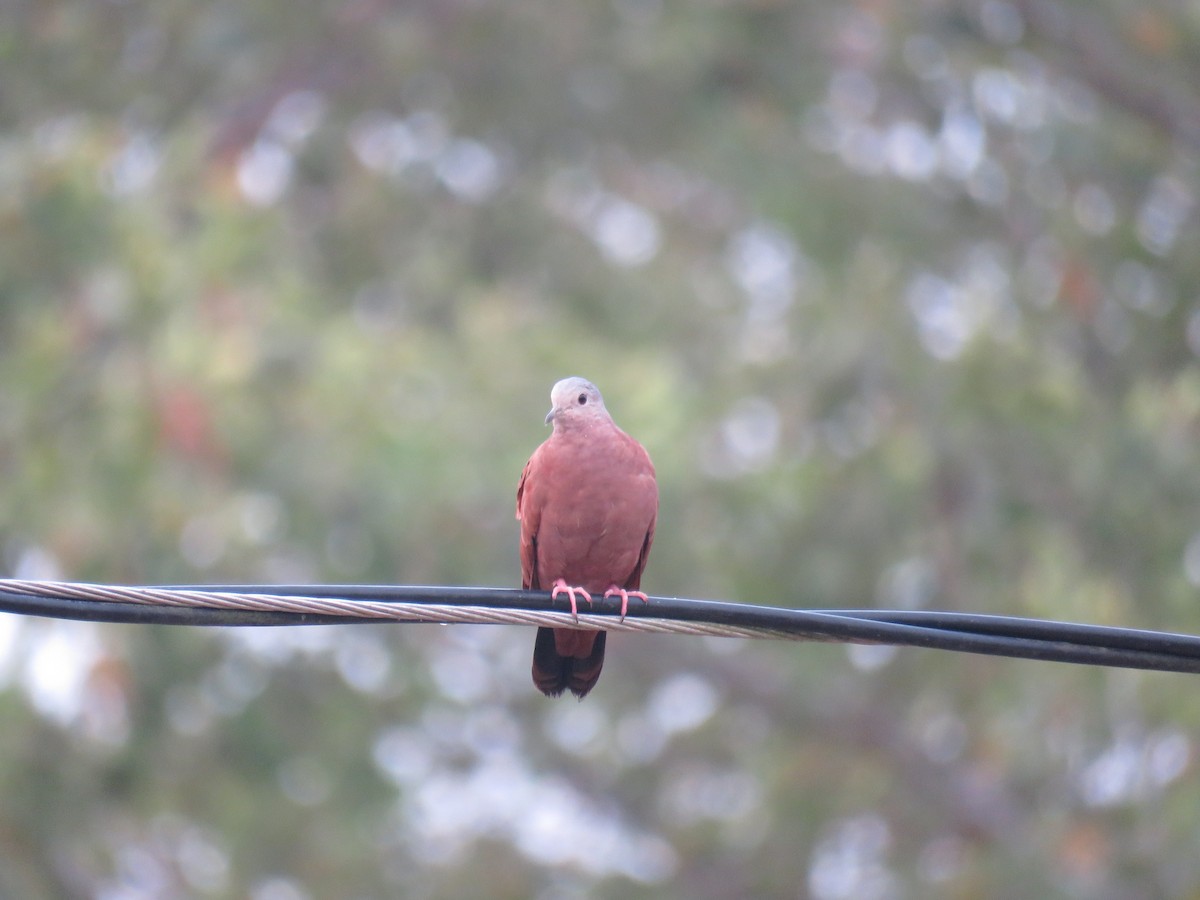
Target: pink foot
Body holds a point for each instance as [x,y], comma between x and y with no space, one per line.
[561,587]
[615,591]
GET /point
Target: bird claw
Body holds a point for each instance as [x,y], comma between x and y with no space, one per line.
[615,591]
[561,587]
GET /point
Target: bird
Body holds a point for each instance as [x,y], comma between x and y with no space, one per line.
[587,502]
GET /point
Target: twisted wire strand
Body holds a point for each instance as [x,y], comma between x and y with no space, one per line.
[433,613]
[258,605]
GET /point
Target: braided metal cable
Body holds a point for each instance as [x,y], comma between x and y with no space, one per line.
[258,605]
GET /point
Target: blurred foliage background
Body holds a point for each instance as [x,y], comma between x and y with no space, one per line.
[902,299]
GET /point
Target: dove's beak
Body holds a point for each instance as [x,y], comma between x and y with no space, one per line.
[550,415]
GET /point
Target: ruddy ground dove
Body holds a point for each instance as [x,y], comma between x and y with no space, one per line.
[587,502]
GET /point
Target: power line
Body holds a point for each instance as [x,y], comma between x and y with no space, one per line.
[261,605]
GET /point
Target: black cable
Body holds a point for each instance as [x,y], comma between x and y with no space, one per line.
[963,632]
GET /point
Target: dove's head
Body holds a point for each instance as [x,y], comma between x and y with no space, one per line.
[575,402]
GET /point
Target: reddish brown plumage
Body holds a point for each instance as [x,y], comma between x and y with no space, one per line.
[587,502]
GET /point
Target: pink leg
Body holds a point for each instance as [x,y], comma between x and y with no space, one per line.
[615,591]
[561,587]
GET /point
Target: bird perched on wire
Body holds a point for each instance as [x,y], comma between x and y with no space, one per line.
[587,502]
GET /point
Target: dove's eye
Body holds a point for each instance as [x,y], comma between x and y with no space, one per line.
[582,399]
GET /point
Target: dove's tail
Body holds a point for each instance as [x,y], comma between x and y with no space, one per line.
[567,659]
